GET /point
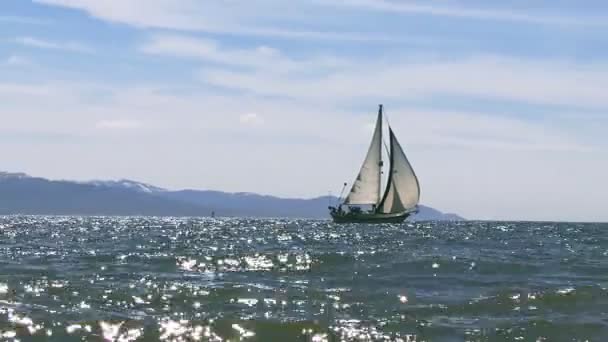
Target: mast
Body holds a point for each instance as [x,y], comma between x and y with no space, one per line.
[381,162]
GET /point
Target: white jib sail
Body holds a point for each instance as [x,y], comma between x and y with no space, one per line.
[403,190]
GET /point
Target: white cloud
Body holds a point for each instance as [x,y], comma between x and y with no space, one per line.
[50,45]
[331,78]
[206,49]
[17,61]
[251,119]
[118,124]
[442,9]
[480,132]
[257,57]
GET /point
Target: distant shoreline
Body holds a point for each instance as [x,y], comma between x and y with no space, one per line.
[21,194]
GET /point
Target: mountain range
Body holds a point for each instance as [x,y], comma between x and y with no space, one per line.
[23,194]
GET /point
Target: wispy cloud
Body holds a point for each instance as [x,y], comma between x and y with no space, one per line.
[252,18]
[17,61]
[261,56]
[246,18]
[10,90]
[118,124]
[435,8]
[470,130]
[269,72]
[34,137]
[329,77]
[205,49]
[52,45]
[200,113]
[23,20]
[251,119]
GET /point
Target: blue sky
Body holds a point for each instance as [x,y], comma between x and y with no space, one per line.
[501,107]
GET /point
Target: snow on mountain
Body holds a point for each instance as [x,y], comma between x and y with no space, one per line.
[127,184]
[13,175]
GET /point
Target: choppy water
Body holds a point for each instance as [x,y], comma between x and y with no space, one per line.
[127,279]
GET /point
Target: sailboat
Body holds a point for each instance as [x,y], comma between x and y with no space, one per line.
[393,204]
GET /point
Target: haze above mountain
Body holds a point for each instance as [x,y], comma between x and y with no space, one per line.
[23,194]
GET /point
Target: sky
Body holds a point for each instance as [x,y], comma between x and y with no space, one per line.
[501,107]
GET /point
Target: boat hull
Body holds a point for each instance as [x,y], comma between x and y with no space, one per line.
[369,217]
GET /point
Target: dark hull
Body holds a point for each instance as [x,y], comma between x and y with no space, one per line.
[369,217]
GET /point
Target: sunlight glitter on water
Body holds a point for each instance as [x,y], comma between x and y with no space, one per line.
[185,279]
[243,333]
[183,330]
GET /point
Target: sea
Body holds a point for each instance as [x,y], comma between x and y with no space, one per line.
[204,279]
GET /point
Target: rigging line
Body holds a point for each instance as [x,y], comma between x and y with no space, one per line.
[342,192]
[386,116]
[388,124]
[388,152]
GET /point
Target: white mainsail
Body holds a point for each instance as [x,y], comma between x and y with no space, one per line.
[403,190]
[367,187]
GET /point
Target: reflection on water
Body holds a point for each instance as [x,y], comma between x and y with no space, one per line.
[172,279]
